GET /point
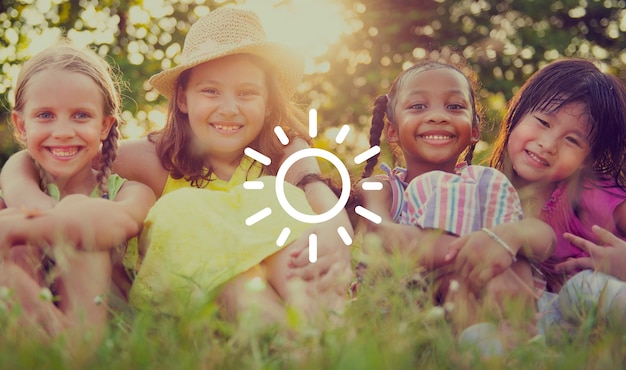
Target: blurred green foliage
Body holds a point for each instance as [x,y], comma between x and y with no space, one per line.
[503,40]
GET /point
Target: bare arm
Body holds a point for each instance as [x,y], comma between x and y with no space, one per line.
[81,221]
[480,257]
[332,251]
[137,160]
[427,246]
[19,182]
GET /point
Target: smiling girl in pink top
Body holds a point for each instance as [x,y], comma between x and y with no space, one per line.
[562,145]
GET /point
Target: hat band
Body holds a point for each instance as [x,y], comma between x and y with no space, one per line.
[216,48]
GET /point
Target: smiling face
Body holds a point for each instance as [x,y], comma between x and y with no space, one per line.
[62,122]
[225,100]
[433,120]
[545,148]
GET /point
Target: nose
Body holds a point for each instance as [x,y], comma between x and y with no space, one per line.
[228,105]
[437,115]
[63,130]
[548,143]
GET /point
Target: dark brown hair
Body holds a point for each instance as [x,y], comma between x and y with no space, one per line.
[575,81]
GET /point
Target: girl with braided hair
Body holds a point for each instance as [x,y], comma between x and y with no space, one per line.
[430,118]
[66,110]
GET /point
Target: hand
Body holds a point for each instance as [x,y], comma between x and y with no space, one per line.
[15,228]
[514,283]
[478,258]
[609,256]
[332,270]
[66,223]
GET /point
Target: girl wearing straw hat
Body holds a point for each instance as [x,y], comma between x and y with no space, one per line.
[228,93]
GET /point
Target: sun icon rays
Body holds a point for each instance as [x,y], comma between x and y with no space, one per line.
[280,181]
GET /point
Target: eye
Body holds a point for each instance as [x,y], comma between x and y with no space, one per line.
[574,140]
[456,106]
[82,115]
[418,106]
[45,115]
[210,91]
[249,92]
[543,122]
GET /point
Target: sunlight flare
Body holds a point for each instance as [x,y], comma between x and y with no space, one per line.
[265,160]
[366,213]
[367,154]
[258,216]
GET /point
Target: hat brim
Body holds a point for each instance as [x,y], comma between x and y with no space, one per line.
[289,66]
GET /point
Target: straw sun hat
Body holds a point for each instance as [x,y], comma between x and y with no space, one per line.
[228,31]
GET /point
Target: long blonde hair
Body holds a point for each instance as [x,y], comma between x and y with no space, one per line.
[65,57]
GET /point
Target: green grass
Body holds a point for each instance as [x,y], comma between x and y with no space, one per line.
[387,327]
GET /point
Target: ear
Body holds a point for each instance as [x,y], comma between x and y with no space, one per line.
[20,125]
[181,100]
[475,134]
[107,123]
[392,133]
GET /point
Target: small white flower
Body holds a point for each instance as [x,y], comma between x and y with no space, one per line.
[46,295]
[98,300]
[5,293]
[435,313]
[256,284]
[448,306]
[454,286]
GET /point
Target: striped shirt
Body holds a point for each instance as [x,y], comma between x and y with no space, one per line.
[466,201]
[473,198]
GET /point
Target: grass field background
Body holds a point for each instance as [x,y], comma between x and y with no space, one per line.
[387,326]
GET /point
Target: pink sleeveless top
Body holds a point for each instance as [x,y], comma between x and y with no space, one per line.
[597,205]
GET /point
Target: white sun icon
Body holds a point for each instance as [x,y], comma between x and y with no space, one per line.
[280,182]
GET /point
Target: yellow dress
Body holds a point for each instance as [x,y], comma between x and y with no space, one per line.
[197,239]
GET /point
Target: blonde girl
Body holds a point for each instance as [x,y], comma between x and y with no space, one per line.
[67,106]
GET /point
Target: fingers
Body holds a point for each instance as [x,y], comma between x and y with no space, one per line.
[307,271]
[575,265]
[300,258]
[480,274]
[337,278]
[297,247]
[605,236]
[453,250]
[581,243]
[480,278]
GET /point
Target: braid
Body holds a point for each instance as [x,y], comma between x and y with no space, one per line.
[109,152]
[378,123]
[469,155]
[44,179]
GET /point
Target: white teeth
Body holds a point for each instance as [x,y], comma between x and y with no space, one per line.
[227,128]
[534,156]
[64,152]
[436,137]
